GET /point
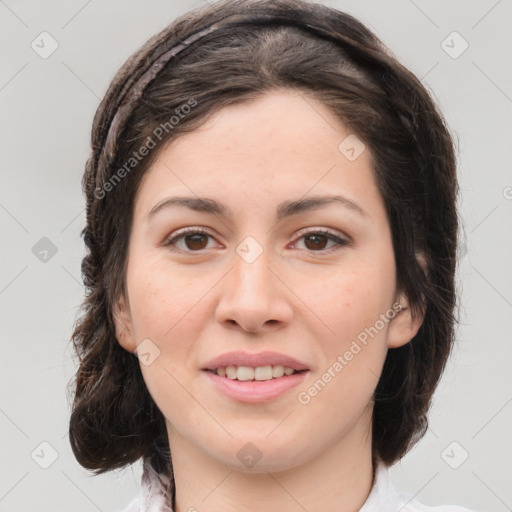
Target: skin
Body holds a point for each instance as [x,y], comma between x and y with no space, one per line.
[304,299]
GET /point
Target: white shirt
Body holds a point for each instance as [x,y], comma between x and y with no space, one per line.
[155,496]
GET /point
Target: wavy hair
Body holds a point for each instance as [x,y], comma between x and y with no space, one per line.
[224,54]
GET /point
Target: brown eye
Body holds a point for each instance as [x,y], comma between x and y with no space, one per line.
[196,242]
[317,241]
[192,240]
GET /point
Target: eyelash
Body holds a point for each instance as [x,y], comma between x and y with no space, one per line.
[169,242]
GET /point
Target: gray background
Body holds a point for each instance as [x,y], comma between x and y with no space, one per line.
[47,107]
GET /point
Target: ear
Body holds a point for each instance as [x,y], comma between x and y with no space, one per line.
[404,326]
[124,328]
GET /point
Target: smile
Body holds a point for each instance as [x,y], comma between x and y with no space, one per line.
[245,373]
[252,390]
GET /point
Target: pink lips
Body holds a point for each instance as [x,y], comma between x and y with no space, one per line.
[238,358]
[254,391]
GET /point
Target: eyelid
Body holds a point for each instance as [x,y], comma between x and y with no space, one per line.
[341,240]
[324,231]
[174,236]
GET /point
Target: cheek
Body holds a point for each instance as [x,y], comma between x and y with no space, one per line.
[353,356]
[163,311]
[161,300]
[350,298]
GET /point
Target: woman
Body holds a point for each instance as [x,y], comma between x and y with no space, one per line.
[271,234]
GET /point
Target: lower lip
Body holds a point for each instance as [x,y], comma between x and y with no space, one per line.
[255,391]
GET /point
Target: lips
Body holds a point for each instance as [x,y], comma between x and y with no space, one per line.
[254,360]
[255,392]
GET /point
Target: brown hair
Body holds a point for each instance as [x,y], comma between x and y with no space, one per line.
[253,47]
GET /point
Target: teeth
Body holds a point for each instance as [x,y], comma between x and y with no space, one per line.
[244,373]
[277,371]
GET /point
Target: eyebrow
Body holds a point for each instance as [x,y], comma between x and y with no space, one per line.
[285,209]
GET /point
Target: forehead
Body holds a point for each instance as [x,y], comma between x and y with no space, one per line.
[280,145]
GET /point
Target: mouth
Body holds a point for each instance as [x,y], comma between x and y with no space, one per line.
[255,385]
[258,373]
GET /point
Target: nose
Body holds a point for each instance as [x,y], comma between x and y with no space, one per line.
[254,297]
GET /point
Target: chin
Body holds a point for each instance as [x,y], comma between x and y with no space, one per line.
[263,455]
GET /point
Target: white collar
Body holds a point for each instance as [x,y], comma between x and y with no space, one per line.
[157,490]
[382,497]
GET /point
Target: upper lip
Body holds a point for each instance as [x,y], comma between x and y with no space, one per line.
[238,358]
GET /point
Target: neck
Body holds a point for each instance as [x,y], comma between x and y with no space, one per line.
[339,478]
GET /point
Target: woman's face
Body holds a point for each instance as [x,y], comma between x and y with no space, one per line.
[273,272]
